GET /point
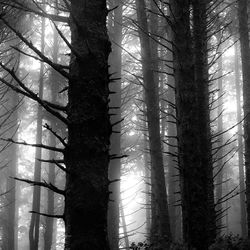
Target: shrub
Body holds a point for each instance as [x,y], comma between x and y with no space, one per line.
[230,242]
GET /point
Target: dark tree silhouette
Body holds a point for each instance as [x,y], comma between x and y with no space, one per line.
[245,58]
[193,124]
[160,226]
[86,151]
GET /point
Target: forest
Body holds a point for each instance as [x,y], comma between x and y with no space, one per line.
[124,124]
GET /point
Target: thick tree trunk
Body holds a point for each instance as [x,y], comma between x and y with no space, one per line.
[243,215]
[204,132]
[115,111]
[87,153]
[34,229]
[245,58]
[160,234]
[195,162]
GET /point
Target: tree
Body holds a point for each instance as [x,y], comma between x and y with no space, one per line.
[54,81]
[34,229]
[160,227]
[219,155]
[193,124]
[86,152]
[245,58]
[115,113]
[240,143]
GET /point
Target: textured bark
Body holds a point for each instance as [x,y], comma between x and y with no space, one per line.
[204,132]
[35,218]
[243,215]
[87,153]
[115,101]
[245,58]
[195,162]
[160,228]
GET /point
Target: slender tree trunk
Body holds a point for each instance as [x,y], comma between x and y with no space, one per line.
[245,57]
[54,83]
[173,179]
[243,215]
[147,172]
[115,102]
[147,187]
[219,155]
[34,229]
[49,222]
[124,227]
[11,183]
[12,209]
[173,174]
[87,153]
[160,237]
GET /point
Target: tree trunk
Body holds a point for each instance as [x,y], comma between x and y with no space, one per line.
[219,155]
[194,146]
[35,218]
[173,174]
[243,215]
[87,153]
[11,183]
[204,133]
[54,85]
[245,58]
[173,178]
[147,171]
[160,234]
[124,227]
[115,111]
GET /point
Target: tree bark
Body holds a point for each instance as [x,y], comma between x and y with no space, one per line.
[160,228]
[245,58]
[193,130]
[87,153]
[204,133]
[115,112]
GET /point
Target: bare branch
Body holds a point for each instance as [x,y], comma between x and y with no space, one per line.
[61,150]
[48,215]
[42,184]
